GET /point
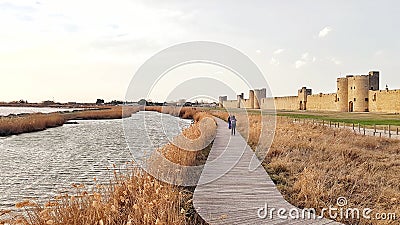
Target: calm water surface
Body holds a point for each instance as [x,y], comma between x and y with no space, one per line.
[5,111]
[43,164]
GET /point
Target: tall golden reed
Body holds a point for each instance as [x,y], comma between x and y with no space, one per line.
[12,125]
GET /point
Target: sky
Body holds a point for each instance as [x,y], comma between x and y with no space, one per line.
[83,50]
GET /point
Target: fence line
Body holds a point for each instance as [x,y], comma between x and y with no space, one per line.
[389,131]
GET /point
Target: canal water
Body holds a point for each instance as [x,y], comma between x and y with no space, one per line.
[43,164]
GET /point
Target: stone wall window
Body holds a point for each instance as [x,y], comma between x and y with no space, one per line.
[366,99]
[355,99]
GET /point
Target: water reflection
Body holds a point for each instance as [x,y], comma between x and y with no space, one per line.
[43,164]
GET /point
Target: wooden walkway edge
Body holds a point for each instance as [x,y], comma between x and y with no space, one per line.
[236,195]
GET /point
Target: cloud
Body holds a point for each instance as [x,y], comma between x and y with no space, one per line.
[324,32]
[258,51]
[300,63]
[305,56]
[335,61]
[274,61]
[305,59]
[278,51]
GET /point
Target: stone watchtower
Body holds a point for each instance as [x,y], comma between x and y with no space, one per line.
[239,99]
[222,99]
[352,91]
[258,95]
[342,94]
[302,97]
[374,80]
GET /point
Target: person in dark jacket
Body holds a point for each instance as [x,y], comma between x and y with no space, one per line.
[229,122]
[233,122]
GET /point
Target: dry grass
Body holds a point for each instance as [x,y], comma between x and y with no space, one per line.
[29,123]
[313,165]
[183,112]
[116,112]
[191,148]
[132,197]
[25,123]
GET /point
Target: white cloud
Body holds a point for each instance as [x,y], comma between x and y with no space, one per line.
[274,61]
[258,51]
[324,32]
[278,51]
[300,63]
[335,61]
[305,59]
[305,56]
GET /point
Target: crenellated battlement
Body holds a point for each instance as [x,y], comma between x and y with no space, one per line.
[355,93]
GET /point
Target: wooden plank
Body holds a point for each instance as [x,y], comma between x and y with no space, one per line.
[229,193]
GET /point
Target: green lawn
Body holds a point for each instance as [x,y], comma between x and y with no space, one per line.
[368,119]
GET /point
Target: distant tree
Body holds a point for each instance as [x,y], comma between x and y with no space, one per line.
[99,101]
[142,102]
[116,102]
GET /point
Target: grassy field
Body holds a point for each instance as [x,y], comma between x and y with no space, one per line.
[368,119]
[313,165]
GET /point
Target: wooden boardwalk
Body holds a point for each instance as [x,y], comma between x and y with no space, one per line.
[235,195]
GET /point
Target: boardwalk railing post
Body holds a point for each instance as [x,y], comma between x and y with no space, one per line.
[390,134]
[364,130]
[375,128]
[353,126]
[397,131]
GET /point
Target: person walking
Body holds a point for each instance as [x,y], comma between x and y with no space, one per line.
[229,122]
[233,122]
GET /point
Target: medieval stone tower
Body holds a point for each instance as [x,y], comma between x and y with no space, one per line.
[221,100]
[259,94]
[302,94]
[353,91]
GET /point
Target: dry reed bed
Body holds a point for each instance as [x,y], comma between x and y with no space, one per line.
[189,149]
[29,123]
[25,123]
[132,197]
[313,165]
